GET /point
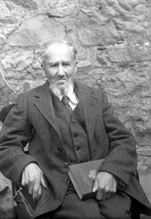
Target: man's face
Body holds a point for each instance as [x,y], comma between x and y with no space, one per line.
[59,65]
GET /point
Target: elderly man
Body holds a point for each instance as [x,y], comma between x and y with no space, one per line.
[66,123]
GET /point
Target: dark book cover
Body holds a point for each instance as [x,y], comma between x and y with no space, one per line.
[82,176]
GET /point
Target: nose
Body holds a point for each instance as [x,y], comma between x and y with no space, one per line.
[61,70]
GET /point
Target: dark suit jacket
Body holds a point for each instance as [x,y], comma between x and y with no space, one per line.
[32,120]
[4,111]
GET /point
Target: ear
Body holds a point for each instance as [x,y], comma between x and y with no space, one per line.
[43,63]
[76,63]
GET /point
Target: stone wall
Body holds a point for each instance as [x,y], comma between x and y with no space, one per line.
[113,38]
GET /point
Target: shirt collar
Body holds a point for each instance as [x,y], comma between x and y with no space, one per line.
[70,93]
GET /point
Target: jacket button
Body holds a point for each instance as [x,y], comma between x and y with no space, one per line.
[65,178]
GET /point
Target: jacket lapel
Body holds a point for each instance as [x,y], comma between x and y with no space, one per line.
[43,101]
[87,98]
[89,101]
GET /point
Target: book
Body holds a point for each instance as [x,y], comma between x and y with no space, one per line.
[82,176]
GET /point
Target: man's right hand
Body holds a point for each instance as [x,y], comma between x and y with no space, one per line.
[33,180]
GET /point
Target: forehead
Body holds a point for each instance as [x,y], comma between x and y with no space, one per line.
[59,51]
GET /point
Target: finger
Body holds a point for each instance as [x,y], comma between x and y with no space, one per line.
[23,180]
[110,188]
[43,182]
[40,192]
[36,191]
[30,190]
[114,188]
[99,195]
[106,196]
[37,194]
[107,189]
[95,186]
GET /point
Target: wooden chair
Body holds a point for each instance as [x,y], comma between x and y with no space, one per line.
[23,206]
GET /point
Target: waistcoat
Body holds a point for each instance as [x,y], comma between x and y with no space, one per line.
[73,131]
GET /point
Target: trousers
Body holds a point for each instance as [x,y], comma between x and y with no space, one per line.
[116,207]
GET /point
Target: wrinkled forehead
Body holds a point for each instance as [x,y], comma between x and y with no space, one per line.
[59,48]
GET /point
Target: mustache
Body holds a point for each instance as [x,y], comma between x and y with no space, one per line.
[60,78]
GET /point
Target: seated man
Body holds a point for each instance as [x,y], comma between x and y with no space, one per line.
[60,133]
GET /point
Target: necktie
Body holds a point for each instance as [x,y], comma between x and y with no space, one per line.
[65,100]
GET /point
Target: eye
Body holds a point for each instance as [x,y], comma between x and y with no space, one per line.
[66,64]
[53,65]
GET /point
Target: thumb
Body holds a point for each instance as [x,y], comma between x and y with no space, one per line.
[95,186]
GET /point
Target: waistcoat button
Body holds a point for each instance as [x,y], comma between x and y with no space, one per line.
[75,135]
[77,148]
[73,123]
[65,164]
[60,150]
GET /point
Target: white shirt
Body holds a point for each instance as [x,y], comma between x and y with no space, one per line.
[73,102]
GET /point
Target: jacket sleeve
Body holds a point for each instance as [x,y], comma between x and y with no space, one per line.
[122,157]
[16,132]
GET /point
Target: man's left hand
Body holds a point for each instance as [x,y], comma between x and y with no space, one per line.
[105,184]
